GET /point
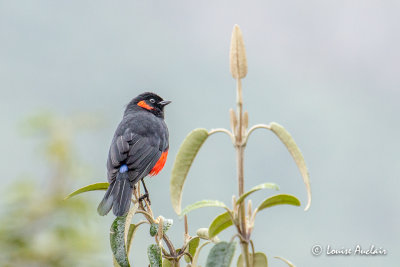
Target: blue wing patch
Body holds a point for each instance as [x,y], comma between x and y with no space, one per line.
[123,168]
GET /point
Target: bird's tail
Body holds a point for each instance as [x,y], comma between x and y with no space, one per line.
[118,196]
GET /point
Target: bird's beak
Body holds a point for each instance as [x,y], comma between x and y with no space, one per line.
[164,102]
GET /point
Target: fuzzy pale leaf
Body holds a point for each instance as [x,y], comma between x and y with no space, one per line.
[184,159]
[294,150]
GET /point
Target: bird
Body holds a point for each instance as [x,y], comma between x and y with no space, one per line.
[138,149]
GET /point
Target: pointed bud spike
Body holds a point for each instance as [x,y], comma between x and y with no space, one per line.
[238,61]
[233,120]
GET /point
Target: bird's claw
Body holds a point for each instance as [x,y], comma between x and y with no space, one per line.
[145,196]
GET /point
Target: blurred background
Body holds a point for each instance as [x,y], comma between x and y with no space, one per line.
[327,70]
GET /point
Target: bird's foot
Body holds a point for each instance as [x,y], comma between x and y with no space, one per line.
[145,196]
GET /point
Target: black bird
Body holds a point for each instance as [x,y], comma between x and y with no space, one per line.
[139,148]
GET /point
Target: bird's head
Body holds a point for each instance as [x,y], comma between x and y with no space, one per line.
[150,102]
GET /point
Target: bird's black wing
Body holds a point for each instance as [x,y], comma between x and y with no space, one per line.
[139,152]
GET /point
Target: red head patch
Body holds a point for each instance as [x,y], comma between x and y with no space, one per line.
[143,104]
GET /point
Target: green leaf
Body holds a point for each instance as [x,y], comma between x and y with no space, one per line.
[119,234]
[128,220]
[203,233]
[202,204]
[91,187]
[117,241]
[166,225]
[192,247]
[131,233]
[286,261]
[294,150]
[166,263]
[115,263]
[221,255]
[256,188]
[153,229]
[278,200]
[196,255]
[184,159]
[260,260]
[154,254]
[220,223]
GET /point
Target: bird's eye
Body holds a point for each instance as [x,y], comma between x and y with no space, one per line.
[152,101]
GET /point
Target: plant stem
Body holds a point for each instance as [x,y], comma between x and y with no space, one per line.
[168,242]
[186,225]
[242,216]
[169,245]
[239,137]
[175,263]
[242,212]
[240,169]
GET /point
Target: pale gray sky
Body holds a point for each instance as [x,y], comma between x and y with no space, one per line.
[326,70]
